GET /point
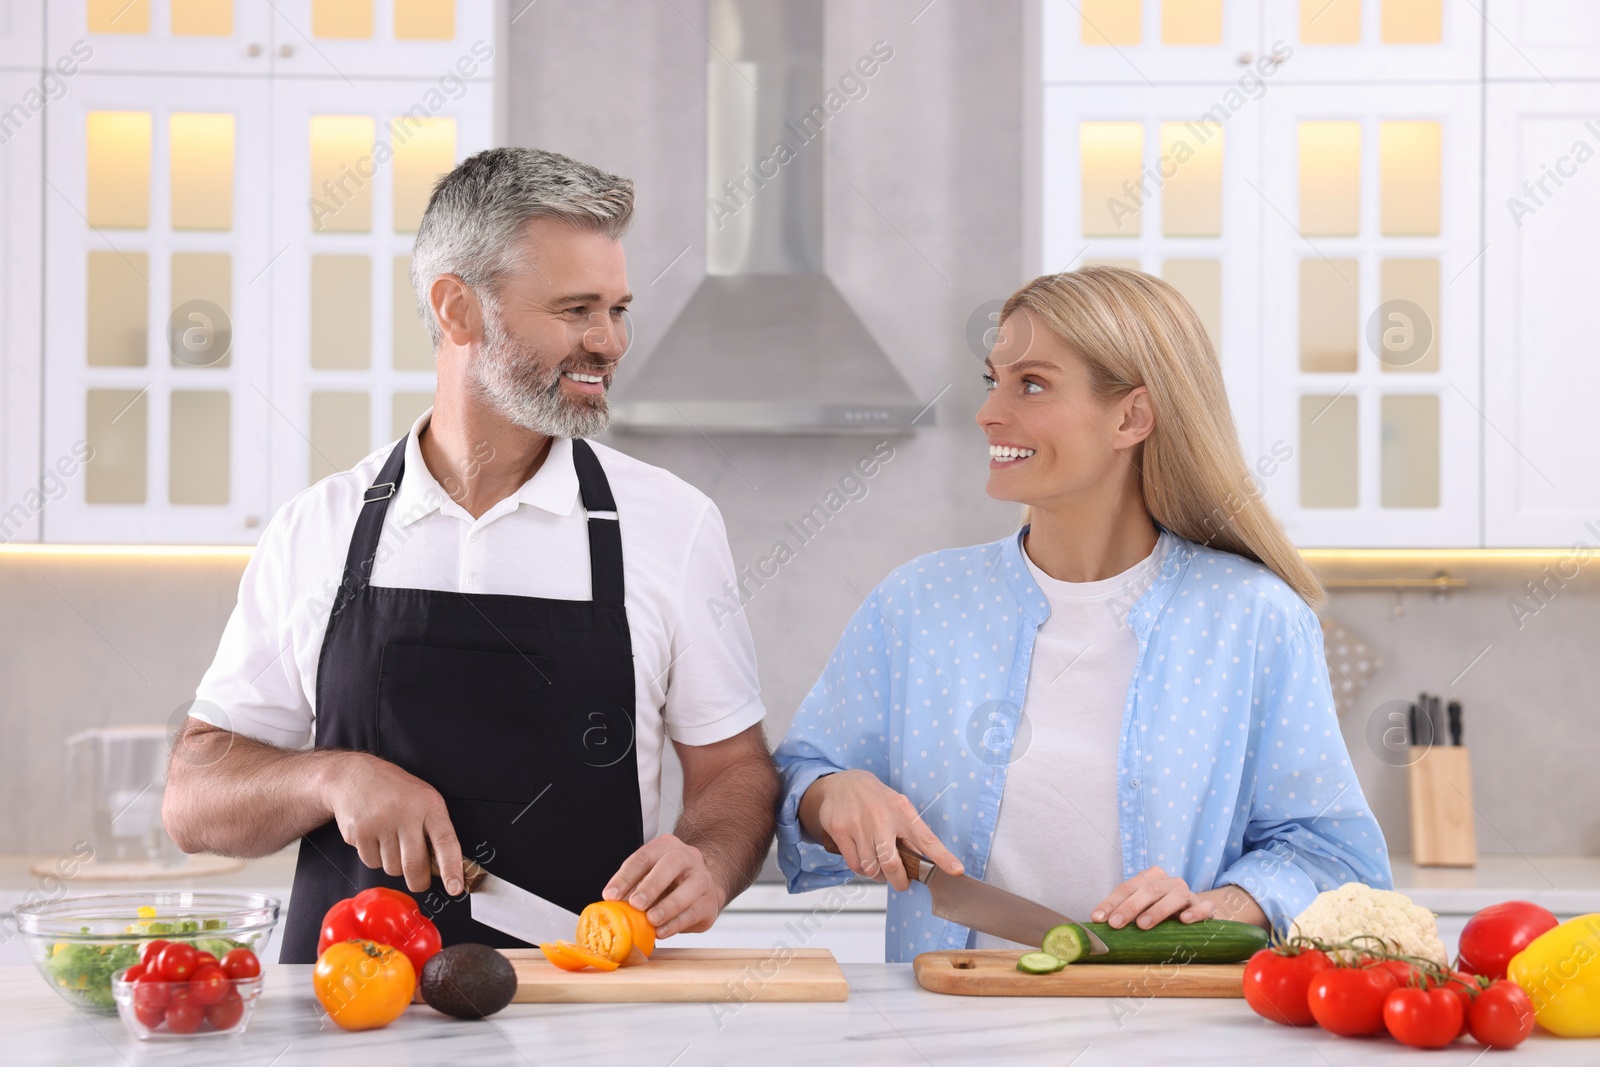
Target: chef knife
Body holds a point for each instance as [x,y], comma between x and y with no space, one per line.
[513,910]
[1454,709]
[975,904]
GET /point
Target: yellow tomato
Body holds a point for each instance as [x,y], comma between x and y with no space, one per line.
[1560,970]
[363,985]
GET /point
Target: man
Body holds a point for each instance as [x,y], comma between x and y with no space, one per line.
[513,622]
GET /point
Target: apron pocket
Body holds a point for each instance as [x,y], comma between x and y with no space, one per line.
[466,722]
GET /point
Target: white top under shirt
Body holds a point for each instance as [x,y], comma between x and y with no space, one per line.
[1056,837]
[694,669]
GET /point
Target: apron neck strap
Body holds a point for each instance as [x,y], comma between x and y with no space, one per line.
[605,534]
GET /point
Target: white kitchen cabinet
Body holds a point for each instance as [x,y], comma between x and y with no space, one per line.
[1542,40]
[1148,42]
[23,488]
[1541,359]
[1360,41]
[231,37]
[450,39]
[21,36]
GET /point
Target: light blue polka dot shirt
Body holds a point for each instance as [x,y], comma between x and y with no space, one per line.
[1232,769]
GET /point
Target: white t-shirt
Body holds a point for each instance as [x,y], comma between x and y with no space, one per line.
[1057,838]
[694,667]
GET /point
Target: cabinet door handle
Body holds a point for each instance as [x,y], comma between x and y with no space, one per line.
[286,50]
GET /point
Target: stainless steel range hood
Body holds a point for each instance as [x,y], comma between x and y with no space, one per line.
[767,344]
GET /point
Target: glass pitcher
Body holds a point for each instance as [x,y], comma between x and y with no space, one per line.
[119,774]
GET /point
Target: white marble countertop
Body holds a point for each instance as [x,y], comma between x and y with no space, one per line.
[887,1020]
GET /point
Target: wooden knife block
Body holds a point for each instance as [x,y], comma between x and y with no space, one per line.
[1443,827]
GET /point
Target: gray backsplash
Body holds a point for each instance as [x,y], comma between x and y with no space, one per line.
[924,224]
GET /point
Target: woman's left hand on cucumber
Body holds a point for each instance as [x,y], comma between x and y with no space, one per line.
[1149,897]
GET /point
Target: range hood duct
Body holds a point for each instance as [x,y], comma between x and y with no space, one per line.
[767,344]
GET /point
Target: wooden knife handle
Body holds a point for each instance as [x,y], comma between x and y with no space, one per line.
[474,873]
[914,864]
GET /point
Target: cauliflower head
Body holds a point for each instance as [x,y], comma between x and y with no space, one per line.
[1339,914]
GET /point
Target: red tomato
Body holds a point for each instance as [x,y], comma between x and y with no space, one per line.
[1422,1018]
[241,963]
[1498,932]
[202,959]
[1501,1016]
[1466,989]
[151,948]
[1404,973]
[226,1013]
[209,984]
[392,918]
[176,962]
[184,1016]
[1349,1000]
[151,990]
[150,1016]
[1275,984]
[134,973]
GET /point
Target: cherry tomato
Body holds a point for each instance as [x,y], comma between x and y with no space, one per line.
[226,1013]
[1466,989]
[1349,1000]
[151,948]
[134,973]
[1498,932]
[241,963]
[1275,984]
[176,962]
[184,1016]
[1404,973]
[202,959]
[150,1016]
[151,990]
[1422,1018]
[209,984]
[1501,1016]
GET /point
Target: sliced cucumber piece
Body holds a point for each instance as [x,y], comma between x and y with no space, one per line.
[1039,963]
[1067,942]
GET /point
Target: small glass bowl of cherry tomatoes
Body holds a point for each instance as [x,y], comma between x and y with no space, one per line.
[178,990]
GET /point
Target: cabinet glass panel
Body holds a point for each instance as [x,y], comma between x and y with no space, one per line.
[202,309]
[202,171]
[1109,22]
[1200,282]
[202,18]
[341,19]
[424,20]
[1330,178]
[119,16]
[1328,458]
[341,199]
[405,409]
[116,422]
[1408,164]
[1111,155]
[1191,197]
[1408,333]
[1412,21]
[424,151]
[1129,264]
[413,350]
[341,313]
[118,169]
[1188,22]
[198,439]
[1329,314]
[1409,455]
[117,302]
[341,432]
[1330,21]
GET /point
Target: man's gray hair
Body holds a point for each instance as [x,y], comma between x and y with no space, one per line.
[474,221]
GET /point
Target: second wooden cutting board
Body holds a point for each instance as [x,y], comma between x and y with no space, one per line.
[993,973]
[684,975]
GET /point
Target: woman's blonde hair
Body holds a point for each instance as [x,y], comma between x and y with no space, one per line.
[1133,329]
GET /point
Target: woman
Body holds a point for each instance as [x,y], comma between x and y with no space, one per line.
[1120,711]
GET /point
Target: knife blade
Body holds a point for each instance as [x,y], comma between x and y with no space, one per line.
[977,905]
[513,910]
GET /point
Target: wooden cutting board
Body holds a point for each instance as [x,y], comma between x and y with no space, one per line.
[993,973]
[684,975]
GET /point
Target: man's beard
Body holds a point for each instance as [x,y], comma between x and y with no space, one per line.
[508,373]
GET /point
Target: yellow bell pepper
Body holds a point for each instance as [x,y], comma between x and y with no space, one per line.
[1560,970]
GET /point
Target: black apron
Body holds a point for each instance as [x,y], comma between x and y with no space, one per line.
[518,710]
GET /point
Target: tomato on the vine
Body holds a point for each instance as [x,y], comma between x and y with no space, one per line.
[1349,1000]
[1275,984]
[1501,1016]
[1423,1018]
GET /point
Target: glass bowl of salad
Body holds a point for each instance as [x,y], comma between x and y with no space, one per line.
[78,943]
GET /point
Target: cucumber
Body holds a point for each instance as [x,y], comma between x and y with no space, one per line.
[1067,942]
[1207,941]
[1039,963]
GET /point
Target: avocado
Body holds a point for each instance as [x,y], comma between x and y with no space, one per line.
[468,981]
